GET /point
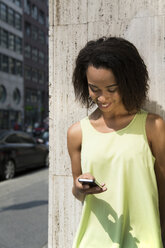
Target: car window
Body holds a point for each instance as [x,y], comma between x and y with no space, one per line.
[45,135]
[26,139]
[3,133]
[13,138]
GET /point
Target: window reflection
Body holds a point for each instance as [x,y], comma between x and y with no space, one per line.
[3,94]
[34,75]
[41,36]
[18,21]
[18,68]
[34,12]
[4,63]
[27,51]
[41,77]
[11,16]
[34,33]
[27,28]
[27,6]
[18,45]
[18,3]
[34,54]
[27,73]
[11,65]
[11,42]
[4,38]
[3,12]
[41,57]
[41,18]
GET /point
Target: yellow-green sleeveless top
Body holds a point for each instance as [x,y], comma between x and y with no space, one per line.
[127,214]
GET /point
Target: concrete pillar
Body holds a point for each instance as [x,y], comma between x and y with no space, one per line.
[71,24]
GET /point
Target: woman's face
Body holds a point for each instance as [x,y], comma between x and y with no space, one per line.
[103,89]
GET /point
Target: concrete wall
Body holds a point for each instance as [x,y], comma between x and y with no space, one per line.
[72,23]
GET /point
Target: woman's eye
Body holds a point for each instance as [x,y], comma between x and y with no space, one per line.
[112,90]
[94,90]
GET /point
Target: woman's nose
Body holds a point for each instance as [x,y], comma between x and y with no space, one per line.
[101,98]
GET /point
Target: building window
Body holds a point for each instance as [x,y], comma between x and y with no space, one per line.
[18,68]
[18,21]
[16,96]
[18,45]
[34,75]
[11,16]
[27,51]
[3,94]
[34,97]
[4,38]
[27,73]
[27,6]
[18,3]
[34,12]
[41,57]
[41,77]
[27,95]
[47,21]
[47,40]
[27,28]
[11,42]
[11,65]
[4,63]
[3,12]
[34,33]
[31,96]
[41,17]
[34,54]
[41,37]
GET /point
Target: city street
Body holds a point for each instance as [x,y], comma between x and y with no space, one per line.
[24,210]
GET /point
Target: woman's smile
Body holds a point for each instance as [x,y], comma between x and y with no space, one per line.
[103,105]
[103,89]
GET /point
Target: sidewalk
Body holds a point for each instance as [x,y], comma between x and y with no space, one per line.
[45,246]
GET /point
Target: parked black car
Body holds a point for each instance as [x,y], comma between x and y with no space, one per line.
[43,138]
[20,151]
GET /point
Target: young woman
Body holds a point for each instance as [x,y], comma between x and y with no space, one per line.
[119,145]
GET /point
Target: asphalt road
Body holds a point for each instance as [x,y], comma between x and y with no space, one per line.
[24,210]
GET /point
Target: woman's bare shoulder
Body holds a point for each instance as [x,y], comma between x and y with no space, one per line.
[155,124]
[74,132]
[154,120]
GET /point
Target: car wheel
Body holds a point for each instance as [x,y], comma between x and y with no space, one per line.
[9,170]
[47,160]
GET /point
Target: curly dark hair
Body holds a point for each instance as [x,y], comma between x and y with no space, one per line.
[123,59]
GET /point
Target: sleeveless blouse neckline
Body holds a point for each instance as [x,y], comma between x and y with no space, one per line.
[117,131]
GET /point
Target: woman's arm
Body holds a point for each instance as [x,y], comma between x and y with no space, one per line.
[156,132]
[74,140]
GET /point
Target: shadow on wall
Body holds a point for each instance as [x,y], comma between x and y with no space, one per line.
[154,107]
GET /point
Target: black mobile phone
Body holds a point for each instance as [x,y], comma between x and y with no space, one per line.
[90,182]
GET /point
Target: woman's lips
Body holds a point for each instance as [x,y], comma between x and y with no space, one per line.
[101,105]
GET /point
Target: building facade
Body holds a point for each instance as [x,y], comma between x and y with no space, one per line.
[35,61]
[23,62]
[11,63]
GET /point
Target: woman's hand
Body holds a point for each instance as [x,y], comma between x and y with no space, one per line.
[86,189]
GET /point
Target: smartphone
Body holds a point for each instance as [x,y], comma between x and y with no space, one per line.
[90,182]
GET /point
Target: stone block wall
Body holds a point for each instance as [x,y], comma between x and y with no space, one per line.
[71,24]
